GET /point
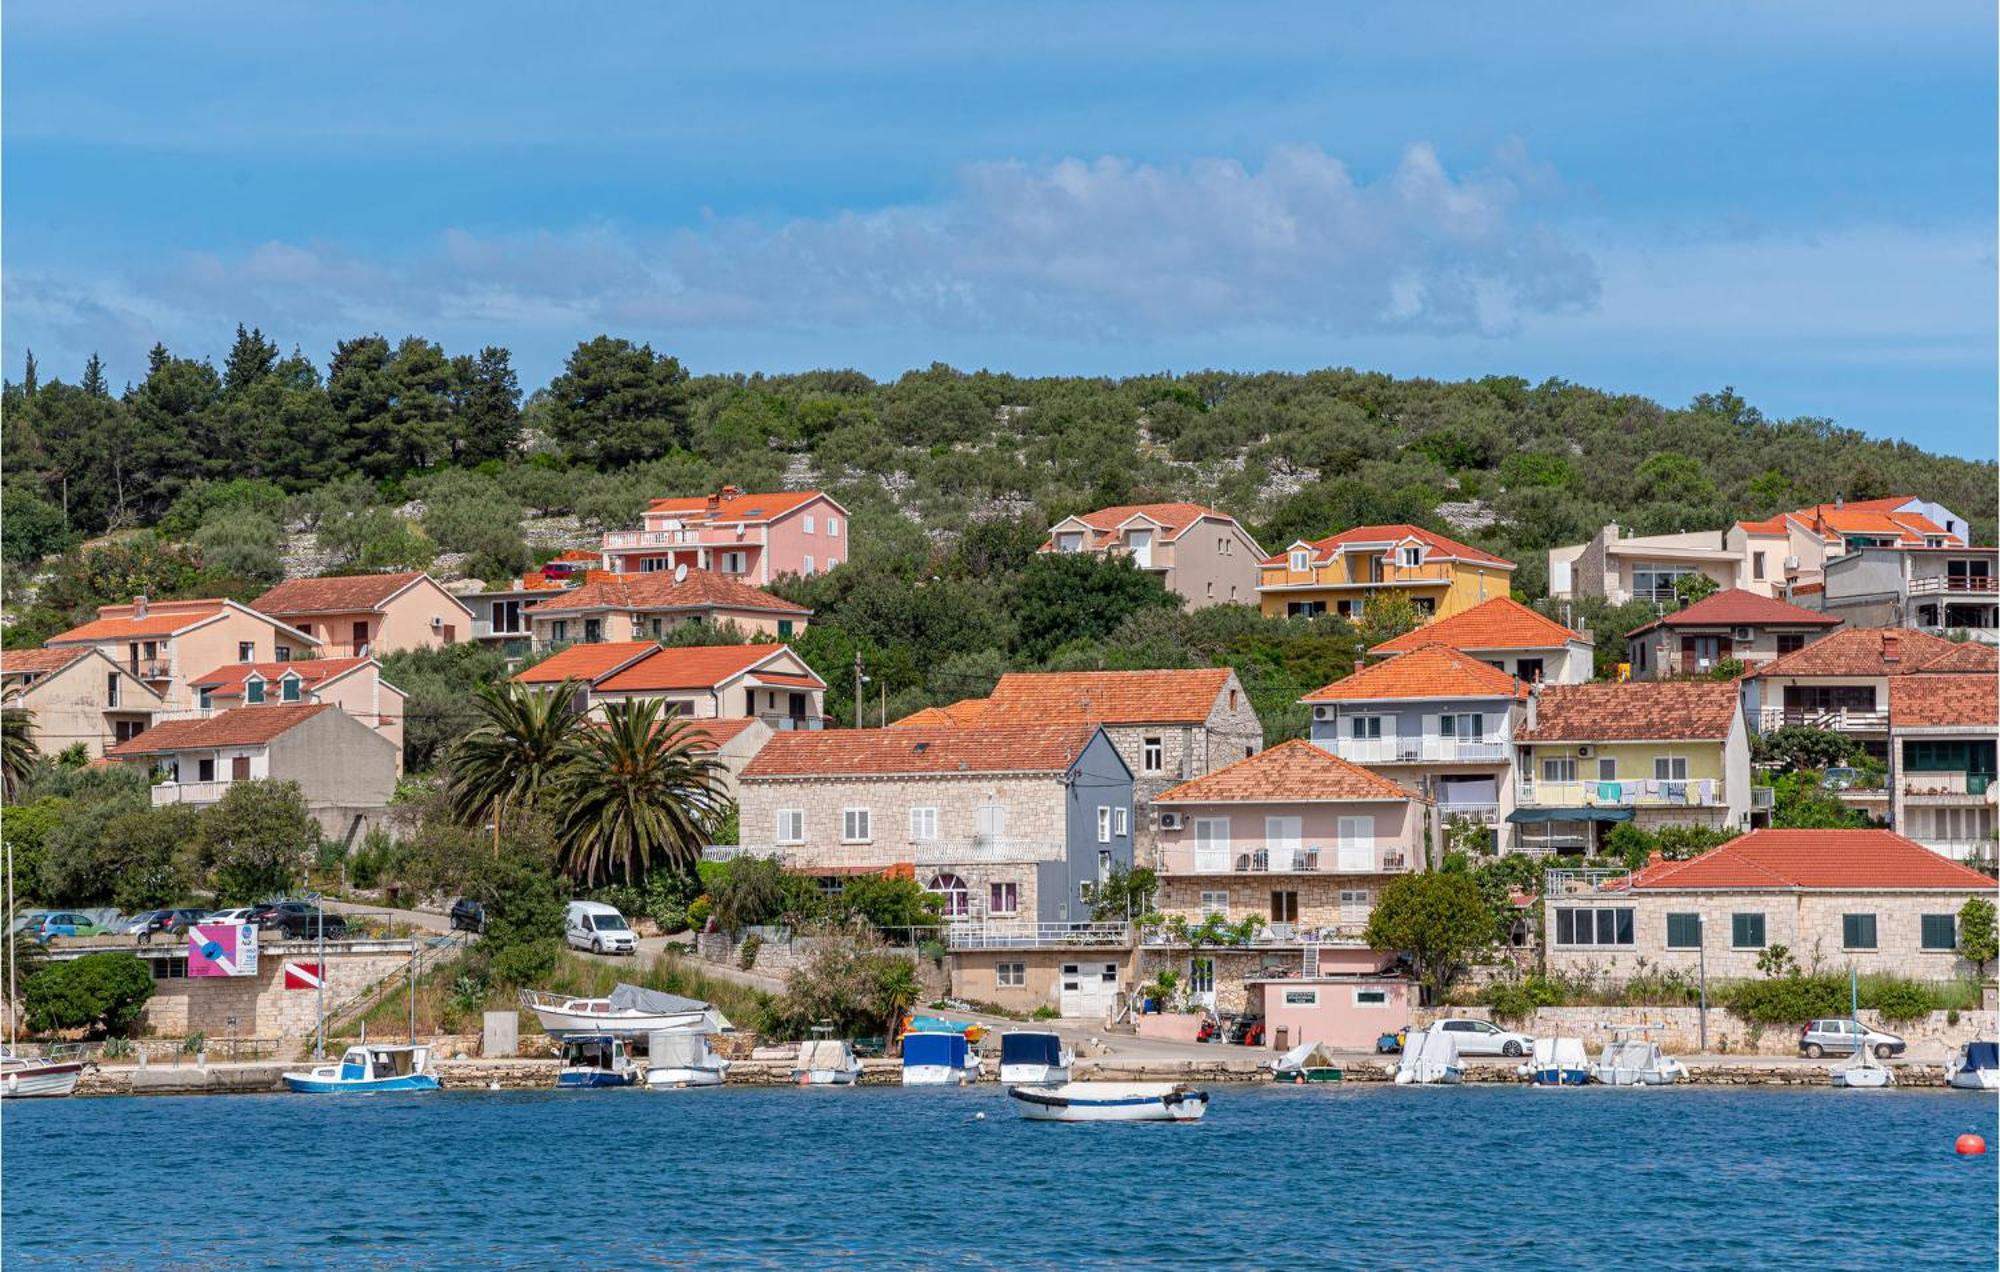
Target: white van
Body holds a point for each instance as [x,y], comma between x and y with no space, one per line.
[594,926]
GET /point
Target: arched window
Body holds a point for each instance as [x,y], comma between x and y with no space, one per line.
[957,899]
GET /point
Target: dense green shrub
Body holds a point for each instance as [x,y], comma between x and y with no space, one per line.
[101,993]
[1901,1000]
[1784,1000]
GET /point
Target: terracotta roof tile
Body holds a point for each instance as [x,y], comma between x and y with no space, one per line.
[1968,657]
[338,594]
[1291,771]
[1174,518]
[691,667]
[38,662]
[243,726]
[1390,535]
[701,589]
[1431,671]
[734,506]
[121,622]
[1501,623]
[586,662]
[1105,697]
[964,712]
[1862,651]
[1845,860]
[1634,711]
[1773,525]
[1932,701]
[714,734]
[227,681]
[900,752]
[1734,607]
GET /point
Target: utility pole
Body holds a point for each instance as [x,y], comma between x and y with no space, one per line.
[858,679]
[1701,955]
[884,688]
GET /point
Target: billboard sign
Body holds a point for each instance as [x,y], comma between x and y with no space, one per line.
[222,949]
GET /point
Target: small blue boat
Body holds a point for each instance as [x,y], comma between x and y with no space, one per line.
[594,1060]
[938,1059]
[369,1067]
[1558,1062]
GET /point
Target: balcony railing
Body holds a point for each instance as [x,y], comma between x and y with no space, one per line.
[1639,793]
[1947,788]
[1420,750]
[189,793]
[1839,719]
[1572,883]
[627,539]
[1477,814]
[181,713]
[1970,851]
[1763,798]
[1256,858]
[1345,931]
[792,723]
[1024,935]
[1946,585]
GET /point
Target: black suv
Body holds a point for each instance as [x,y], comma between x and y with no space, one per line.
[299,920]
[468,915]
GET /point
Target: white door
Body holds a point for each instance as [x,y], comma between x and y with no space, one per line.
[1089,991]
[1211,844]
[1201,982]
[1281,841]
[1357,844]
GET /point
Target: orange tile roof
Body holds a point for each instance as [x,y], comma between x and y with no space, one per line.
[227,680]
[586,662]
[1734,607]
[714,734]
[121,622]
[1932,701]
[1290,772]
[1105,697]
[691,667]
[1430,671]
[243,726]
[1968,657]
[1501,623]
[729,505]
[336,594]
[1174,518]
[1634,711]
[1773,525]
[701,589]
[1862,651]
[916,752]
[38,662]
[1837,860]
[1871,517]
[964,712]
[579,554]
[1390,535]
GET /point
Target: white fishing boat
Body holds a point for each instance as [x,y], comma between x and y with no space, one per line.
[1111,1102]
[938,1059]
[1631,1059]
[1034,1058]
[1306,1063]
[682,1058]
[369,1067]
[36,1077]
[1976,1067]
[1430,1058]
[826,1062]
[1557,1062]
[628,1011]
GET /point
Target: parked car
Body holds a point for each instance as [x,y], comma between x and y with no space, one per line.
[171,921]
[1843,1037]
[1484,1038]
[468,915]
[64,923]
[299,920]
[594,926]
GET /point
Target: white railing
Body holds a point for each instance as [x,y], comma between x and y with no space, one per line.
[1839,719]
[659,539]
[1649,792]
[948,852]
[189,793]
[1024,935]
[1763,797]
[1477,814]
[1569,883]
[1252,857]
[1419,750]
[183,713]
[1968,850]
[792,723]
[1280,935]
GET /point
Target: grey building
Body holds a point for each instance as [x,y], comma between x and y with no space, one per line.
[1935,590]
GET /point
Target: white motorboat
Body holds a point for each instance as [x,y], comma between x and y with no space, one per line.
[35,1077]
[590,1061]
[369,1067]
[1557,1062]
[682,1058]
[627,1012]
[1976,1067]
[1430,1058]
[1111,1102]
[1866,1073]
[1632,1059]
[939,1059]
[1306,1063]
[1034,1058]
[826,1062]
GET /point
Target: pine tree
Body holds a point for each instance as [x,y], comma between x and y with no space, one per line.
[251,358]
[156,359]
[93,378]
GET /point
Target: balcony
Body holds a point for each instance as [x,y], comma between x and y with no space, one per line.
[1420,750]
[1254,857]
[1358,575]
[792,723]
[1024,935]
[984,852]
[1346,931]
[1578,883]
[1763,798]
[167,793]
[1973,852]
[1477,814]
[1643,793]
[627,540]
[1946,790]
[1956,585]
[1839,719]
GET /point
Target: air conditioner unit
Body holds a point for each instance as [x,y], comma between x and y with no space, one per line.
[1170,821]
[1322,713]
[1744,633]
[1583,751]
[1791,563]
[437,621]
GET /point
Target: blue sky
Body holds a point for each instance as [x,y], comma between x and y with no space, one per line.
[1796,199]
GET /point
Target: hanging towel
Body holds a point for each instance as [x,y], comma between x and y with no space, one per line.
[1610,793]
[1676,792]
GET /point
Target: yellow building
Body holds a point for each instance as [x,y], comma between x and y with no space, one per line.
[1338,574]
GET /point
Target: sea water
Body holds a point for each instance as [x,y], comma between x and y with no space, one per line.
[1356,1177]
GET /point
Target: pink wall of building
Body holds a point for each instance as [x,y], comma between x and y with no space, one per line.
[1343,1012]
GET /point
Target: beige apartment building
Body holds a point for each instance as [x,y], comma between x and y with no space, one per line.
[76,696]
[165,643]
[356,615]
[1203,556]
[355,685]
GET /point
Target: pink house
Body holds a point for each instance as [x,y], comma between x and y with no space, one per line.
[754,538]
[1348,1001]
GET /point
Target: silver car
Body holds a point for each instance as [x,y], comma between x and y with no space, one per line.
[1843,1037]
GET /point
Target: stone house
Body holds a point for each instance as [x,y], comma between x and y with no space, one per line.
[1511,637]
[1736,624]
[1841,681]
[164,643]
[77,694]
[356,615]
[1835,899]
[355,685]
[1943,731]
[1203,556]
[627,607]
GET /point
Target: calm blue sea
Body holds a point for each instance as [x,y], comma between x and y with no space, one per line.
[1362,1177]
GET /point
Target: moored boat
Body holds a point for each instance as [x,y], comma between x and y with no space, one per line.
[938,1059]
[595,1060]
[1976,1067]
[1034,1058]
[826,1062]
[1111,1102]
[32,1077]
[1557,1062]
[1430,1058]
[682,1058]
[370,1067]
[1865,1074]
[628,1011]
[1632,1059]
[1307,1062]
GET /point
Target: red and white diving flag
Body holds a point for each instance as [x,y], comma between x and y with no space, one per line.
[302,976]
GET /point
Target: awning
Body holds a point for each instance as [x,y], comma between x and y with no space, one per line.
[1535,816]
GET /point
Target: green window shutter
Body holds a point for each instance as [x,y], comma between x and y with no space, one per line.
[1746,931]
[1857,931]
[253,691]
[1683,931]
[1940,931]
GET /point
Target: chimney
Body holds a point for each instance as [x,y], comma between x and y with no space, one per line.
[139,606]
[1892,647]
[1839,502]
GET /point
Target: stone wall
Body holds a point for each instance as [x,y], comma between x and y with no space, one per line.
[1678,1029]
[261,1004]
[782,953]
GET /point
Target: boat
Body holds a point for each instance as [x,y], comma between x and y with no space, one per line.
[627,1011]
[1866,1073]
[938,1059]
[1632,1059]
[368,1067]
[1111,1102]
[1430,1058]
[1976,1067]
[595,1060]
[36,1077]
[826,1062]
[682,1058]
[1557,1062]
[1034,1058]
[1307,1062]
[937,1024]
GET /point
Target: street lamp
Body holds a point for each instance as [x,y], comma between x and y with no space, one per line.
[1701,959]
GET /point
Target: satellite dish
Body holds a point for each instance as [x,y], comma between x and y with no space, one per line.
[681,573]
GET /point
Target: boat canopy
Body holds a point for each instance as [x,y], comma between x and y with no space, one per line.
[1980,1056]
[1026,1048]
[823,1053]
[1560,1053]
[1589,813]
[1304,1056]
[947,1049]
[654,1002]
[676,1049]
[935,1024]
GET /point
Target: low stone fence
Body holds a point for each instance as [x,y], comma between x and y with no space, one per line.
[1678,1029]
[780,952]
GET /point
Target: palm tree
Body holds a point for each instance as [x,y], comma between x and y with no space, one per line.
[516,752]
[18,751]
[637,793]
[895,990]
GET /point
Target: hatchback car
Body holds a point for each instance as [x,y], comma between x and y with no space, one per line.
[1843,1037]
[1484,1038]
[468,915]
[64,923]
[241,914]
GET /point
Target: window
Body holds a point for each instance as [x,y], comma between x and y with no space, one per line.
[1468,727]
[1301,998]
[1425,606]
[1746,931]
[1529,669]
[791,826]
[1940,931]
[253,690]
[1215,903]
[923,824]
[1670,768]
[288,689]
[246,651]
[1561,769]
[807,568]
[854,826]
[1284,907]
[1355,903]
[809,523]
[1607,769]
[957,900]
[1003,899]
[1124,819]
[593,630]
[1756,565]
[1364,728]
[784,629]
[1683,931]
[989,822]
[110,688]
[1857,931]
[360,637]
[732,563]
[1356,843]
[1152,755]
[169,968]
[1301,562]
[1104,823]
[1010,975]
[1609,925]
[1790,643]
[559,630]
[833,527]
[1371,998]
[1413,556]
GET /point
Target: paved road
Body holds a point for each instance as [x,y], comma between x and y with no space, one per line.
[424,919]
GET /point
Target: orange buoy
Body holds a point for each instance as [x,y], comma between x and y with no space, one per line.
[1970,1145]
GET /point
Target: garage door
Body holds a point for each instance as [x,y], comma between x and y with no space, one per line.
[1089,990]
